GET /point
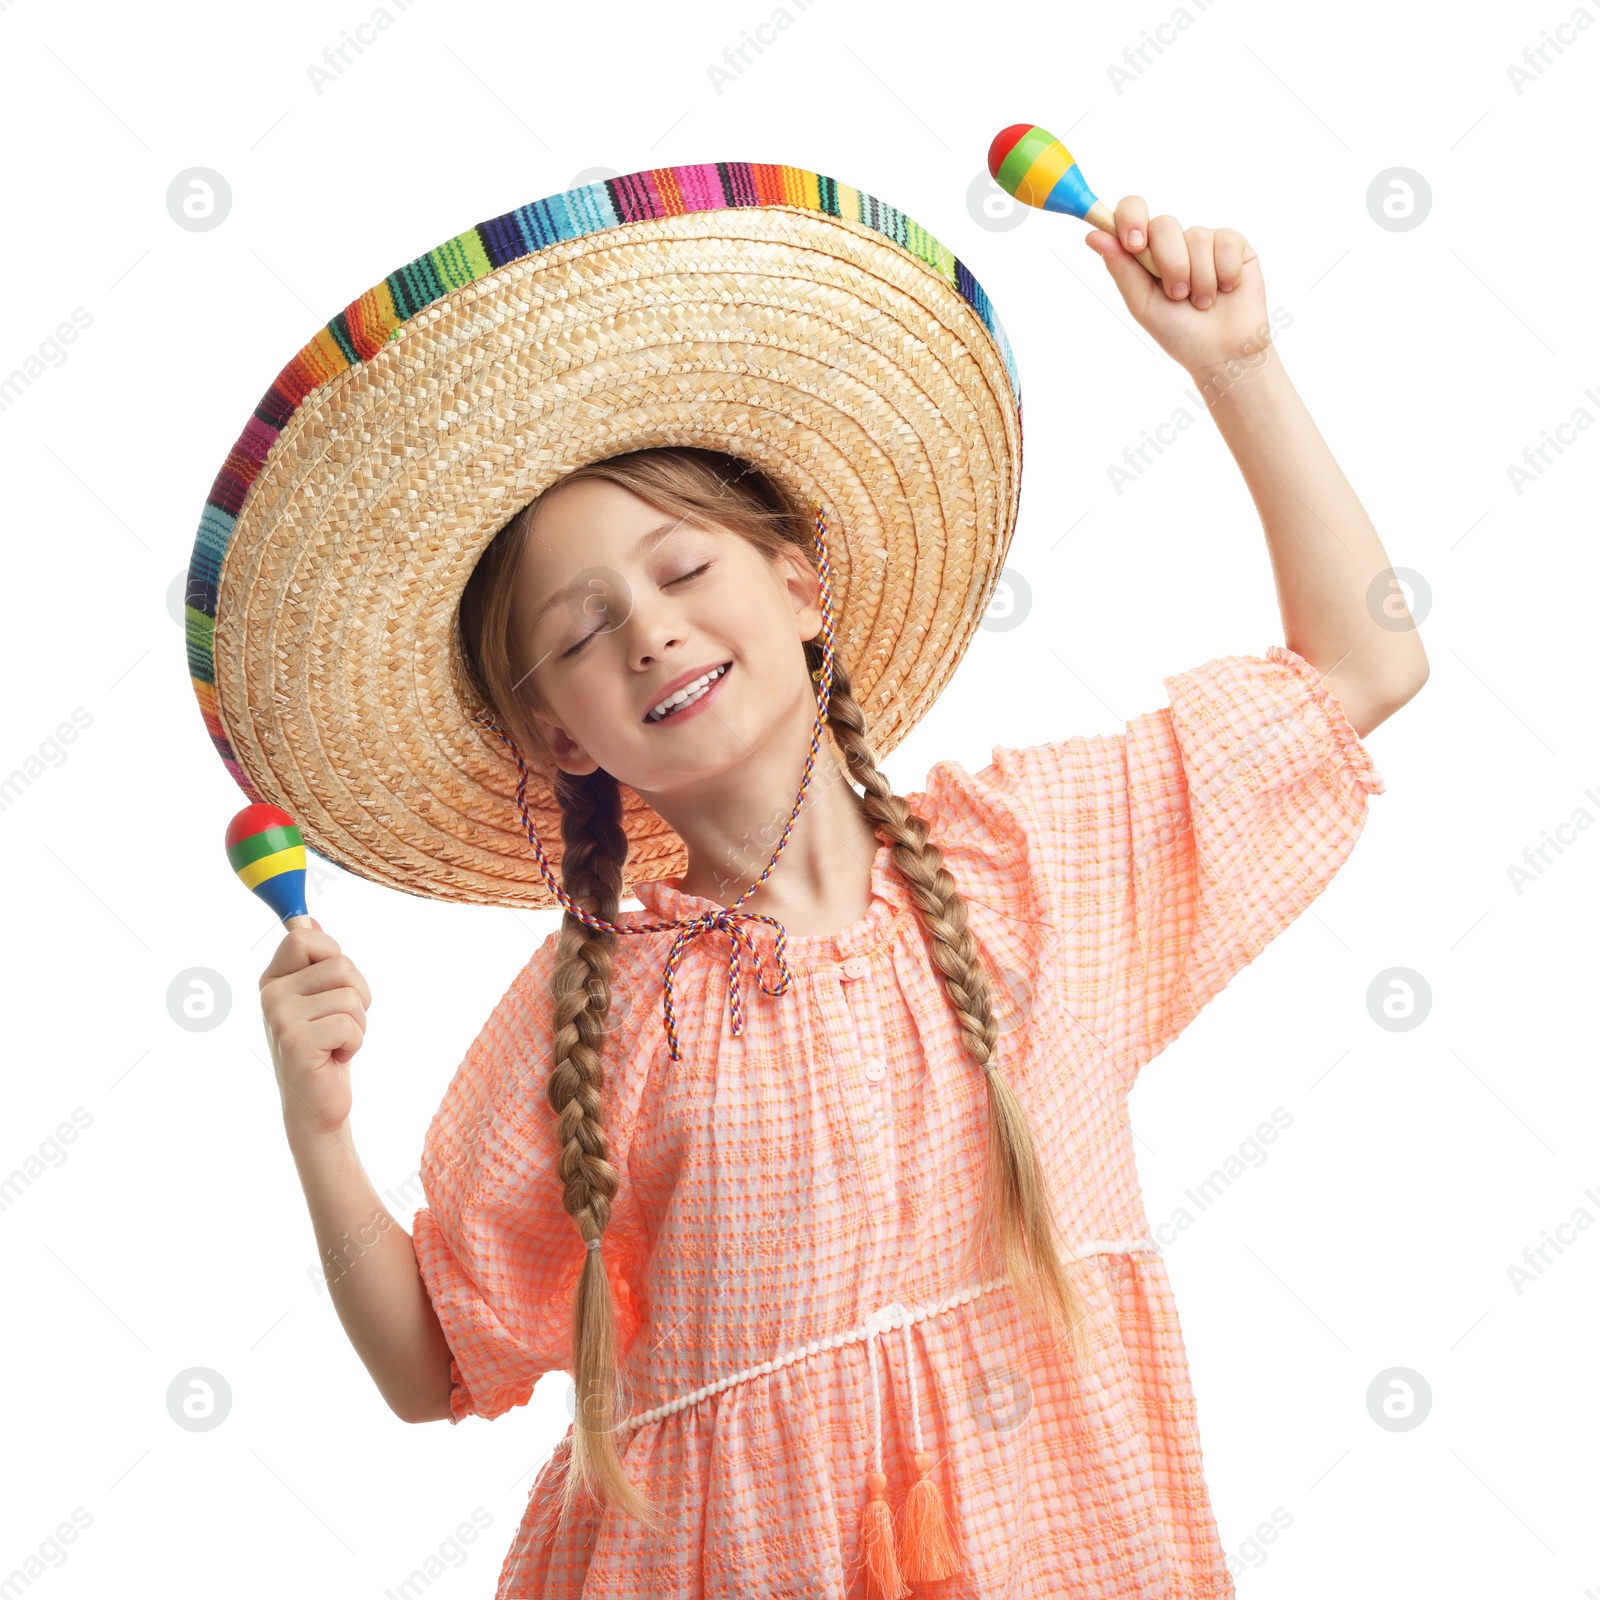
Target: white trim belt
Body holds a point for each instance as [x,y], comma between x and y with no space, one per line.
[885,1318]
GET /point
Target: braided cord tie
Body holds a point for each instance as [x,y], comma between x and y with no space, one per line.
[724,919]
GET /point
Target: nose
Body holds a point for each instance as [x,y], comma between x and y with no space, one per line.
[653,633]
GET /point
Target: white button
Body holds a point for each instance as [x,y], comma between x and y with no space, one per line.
[854,967]
[874,1069]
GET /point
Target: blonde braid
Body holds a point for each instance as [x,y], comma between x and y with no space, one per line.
[1019,1209]
[594,849]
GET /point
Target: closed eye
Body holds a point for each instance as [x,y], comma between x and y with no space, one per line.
[574,649]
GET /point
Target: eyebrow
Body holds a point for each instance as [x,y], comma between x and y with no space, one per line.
[647,543]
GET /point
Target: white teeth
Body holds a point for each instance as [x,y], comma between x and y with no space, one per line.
[690,691]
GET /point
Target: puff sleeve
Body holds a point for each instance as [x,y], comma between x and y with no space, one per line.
[498,1254]
[1168,857]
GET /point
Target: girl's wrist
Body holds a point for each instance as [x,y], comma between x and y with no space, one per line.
[316,1139]
[1255,374]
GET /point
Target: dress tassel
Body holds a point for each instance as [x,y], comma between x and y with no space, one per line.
[927,1551]
[884,1580]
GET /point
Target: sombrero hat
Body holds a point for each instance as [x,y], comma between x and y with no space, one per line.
[762,310]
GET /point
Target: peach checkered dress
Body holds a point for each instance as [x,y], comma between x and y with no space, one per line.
[785,1245]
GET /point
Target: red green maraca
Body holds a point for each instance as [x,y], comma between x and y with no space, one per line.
[265,849]
[1037,169]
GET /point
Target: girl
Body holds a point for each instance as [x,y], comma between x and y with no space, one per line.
[852,1274]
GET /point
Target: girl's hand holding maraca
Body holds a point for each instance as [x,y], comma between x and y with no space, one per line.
[1197,292]
[314,1002]
[1208,307]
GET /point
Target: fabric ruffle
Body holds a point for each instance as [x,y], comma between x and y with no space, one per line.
[1356,756]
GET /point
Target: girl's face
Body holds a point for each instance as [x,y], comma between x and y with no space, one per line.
[619,604]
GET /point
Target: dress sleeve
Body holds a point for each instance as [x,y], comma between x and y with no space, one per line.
[1166,858]
[498,1253]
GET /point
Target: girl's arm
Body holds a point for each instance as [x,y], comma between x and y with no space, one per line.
[1325,552]
[1342,609]
[372,1274]
[314,1006]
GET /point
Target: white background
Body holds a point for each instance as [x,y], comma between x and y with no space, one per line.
[1419,1165]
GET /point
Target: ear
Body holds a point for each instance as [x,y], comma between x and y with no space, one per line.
[803,582]
[568,754]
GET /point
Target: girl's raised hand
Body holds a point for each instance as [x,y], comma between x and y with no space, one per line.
[314,1003]
[1209,306]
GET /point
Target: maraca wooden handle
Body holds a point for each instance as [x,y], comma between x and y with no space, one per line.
[1100,215]
[297,922]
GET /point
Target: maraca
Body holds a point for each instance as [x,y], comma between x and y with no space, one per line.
[1036,168]
[265,849]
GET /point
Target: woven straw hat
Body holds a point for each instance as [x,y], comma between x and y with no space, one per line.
[762,310]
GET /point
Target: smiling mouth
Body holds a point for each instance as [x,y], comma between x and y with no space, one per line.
[687,695]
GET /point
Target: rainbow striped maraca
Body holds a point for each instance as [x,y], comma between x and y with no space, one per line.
[265,849]
[1037,169]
